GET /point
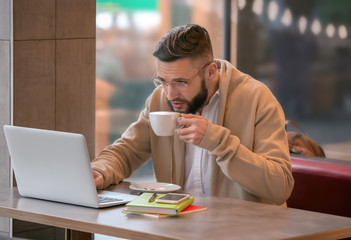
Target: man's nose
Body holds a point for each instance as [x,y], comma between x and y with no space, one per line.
[171,92]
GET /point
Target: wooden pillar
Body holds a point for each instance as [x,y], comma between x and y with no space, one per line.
[54,65]
[49,50]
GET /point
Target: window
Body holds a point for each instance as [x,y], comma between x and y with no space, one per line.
[299,49]
[302,51]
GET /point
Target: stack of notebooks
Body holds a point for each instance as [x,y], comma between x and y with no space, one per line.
[141,205]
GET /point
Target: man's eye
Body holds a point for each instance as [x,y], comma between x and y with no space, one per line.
[180,84]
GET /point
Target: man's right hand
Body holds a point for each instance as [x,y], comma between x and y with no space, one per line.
[99,179]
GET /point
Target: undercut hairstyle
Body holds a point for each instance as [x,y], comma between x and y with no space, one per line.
[186,41]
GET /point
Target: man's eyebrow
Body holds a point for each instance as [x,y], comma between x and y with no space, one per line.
[174,80]
[158,77]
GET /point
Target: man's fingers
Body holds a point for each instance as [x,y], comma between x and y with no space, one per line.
[98,179]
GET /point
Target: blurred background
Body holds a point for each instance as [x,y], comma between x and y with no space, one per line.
[300,49]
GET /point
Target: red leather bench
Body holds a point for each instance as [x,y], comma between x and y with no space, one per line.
[321,185]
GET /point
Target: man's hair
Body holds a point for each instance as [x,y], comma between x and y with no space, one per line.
[187,41]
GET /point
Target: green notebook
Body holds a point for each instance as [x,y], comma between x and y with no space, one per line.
[141,204]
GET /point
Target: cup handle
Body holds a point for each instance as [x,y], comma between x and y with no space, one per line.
[178,126]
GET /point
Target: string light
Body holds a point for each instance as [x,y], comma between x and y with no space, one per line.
[342,31]
[241,4]
[273,10]
[316,27]
[302,24]
[287,18]
[330,30]
[257,7]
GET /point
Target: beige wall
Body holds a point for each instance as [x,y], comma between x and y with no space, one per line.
[53,69]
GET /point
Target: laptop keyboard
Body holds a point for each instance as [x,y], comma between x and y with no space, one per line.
[103,199]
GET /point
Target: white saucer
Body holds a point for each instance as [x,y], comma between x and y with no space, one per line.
[159,187]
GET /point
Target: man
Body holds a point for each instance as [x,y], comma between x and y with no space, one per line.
[233,143]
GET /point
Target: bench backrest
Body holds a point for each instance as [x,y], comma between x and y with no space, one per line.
[321,186]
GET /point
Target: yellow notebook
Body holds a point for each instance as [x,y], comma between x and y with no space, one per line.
[190,209]
[141,204]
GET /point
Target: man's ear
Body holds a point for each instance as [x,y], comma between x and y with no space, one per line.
[212,70]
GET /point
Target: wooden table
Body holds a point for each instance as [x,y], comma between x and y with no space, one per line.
[225,218]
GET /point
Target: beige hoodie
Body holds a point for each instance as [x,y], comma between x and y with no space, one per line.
[248,146]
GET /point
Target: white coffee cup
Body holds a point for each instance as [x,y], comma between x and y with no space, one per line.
[164,123]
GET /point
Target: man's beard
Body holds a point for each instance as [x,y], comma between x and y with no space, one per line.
[196,103]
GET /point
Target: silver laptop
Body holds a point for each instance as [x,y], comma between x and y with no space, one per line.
[55,166]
